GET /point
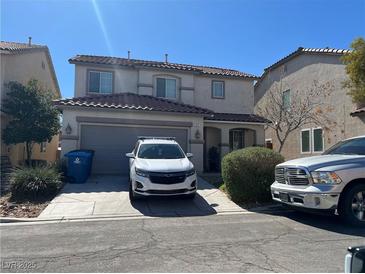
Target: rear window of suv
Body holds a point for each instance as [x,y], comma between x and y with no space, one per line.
[160,151]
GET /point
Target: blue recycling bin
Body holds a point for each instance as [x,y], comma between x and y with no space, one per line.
[79,165]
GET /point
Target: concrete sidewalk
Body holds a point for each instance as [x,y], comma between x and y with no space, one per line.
[108,195]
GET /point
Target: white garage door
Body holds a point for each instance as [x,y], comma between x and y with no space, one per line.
[111,143]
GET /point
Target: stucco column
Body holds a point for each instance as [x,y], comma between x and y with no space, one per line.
[197,144]
[224,146]
[260,136]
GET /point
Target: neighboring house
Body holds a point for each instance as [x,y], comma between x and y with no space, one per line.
[22,62]
[118,99]
[297,72]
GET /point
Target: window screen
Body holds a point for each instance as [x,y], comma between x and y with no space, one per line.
[305,137]
[317,140]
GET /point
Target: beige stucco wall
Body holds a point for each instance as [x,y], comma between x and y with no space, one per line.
[22,68]
[69,117]
[299,76]
[124,80]
[191,88]
[239,97]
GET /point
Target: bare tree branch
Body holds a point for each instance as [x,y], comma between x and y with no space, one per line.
[306,107]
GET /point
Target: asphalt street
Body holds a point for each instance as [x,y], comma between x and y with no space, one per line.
[275,242]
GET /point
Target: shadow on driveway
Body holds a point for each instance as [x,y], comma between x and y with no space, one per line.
[331,223]
[105,195]
[174,206]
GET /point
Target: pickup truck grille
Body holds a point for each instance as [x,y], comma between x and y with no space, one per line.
[291,176]
[167,178]
[280,175]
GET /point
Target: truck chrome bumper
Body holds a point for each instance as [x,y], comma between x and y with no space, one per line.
[304,199]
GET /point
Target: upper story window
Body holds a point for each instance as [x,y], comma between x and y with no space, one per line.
[166,88]
[100,81]
[218,89]
[286,100]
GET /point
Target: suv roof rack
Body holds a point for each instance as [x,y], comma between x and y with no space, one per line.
[155,138]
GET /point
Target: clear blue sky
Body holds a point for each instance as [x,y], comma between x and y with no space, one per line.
[244,35]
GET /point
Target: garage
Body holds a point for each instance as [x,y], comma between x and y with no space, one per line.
[111,143]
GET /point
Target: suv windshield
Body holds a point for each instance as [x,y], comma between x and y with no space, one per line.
[353,146]
[160,151]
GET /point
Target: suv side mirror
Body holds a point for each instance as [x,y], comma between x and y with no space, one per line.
[189,155]
[355,260]
[130,155]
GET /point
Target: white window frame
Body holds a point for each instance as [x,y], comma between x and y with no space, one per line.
[167,78]
[312,138]
[301,141]
[223,89]
[99,71]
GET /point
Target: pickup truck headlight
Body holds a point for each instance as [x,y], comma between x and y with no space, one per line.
[190,172]
[325,177]
[141,172]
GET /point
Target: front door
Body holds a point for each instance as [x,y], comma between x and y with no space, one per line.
[236,139]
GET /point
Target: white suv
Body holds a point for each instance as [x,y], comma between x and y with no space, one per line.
[159,167]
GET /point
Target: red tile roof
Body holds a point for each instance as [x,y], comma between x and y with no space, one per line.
[13,47]
[328,51]
[301,50]
[250,118]
[131,101]
[359,111]
[116,61]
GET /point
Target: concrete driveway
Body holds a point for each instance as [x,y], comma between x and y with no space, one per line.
[108,196]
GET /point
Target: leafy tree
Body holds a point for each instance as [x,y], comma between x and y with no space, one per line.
[34,119]
[355,68]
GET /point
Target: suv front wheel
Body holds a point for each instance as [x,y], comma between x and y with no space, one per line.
[352,207]
[132,195]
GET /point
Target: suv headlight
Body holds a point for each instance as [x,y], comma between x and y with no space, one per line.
[325,177]
[190,172]
[141,172]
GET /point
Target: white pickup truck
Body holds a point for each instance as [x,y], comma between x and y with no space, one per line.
[332,181]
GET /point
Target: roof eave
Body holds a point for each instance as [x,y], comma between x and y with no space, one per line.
[194,71]
[99,108]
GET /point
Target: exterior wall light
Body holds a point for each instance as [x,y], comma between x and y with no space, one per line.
[68,129]
[197,134]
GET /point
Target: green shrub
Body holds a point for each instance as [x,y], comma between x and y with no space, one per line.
[248,173]
[34,184]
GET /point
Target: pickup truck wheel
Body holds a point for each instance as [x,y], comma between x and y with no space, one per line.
[352,209]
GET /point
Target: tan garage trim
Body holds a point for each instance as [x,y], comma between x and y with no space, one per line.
[104,120]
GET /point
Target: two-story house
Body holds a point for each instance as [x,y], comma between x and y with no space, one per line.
[118,99]
[295,74]
[22,62]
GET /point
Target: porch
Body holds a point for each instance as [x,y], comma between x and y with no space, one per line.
[222,137]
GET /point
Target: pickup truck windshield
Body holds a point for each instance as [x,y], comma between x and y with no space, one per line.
[160,151]
[353,146]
